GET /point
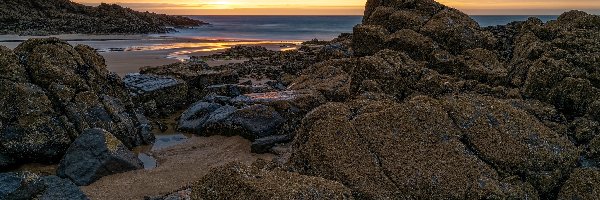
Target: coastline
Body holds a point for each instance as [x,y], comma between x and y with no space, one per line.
[128,53]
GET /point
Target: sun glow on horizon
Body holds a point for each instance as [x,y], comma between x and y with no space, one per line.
[342,7]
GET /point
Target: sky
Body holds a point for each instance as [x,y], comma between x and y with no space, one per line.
[344,7]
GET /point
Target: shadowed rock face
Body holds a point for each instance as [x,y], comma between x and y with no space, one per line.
[53,92]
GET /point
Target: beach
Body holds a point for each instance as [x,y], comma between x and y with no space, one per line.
[128,53]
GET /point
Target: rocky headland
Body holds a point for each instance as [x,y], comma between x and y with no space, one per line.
[419,102]
[52,17]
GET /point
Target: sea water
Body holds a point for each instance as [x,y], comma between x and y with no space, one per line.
[299,28]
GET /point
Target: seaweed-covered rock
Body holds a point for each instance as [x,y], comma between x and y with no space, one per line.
[10,67]
[328,78]
[456,31]
[373,153]
[582,184]
[236,181]
[25,185]
[160,95]
[513,141]
[65,90]
[368,39]
[31,128]
[96,153]
[411,42]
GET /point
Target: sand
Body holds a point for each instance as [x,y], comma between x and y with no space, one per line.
[128,53]
[178,167]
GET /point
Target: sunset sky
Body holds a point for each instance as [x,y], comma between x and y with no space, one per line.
[344,7]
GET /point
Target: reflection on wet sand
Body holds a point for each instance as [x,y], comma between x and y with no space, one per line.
[188,48]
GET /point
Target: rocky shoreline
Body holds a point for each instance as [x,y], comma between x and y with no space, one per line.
[53,17]
[419,102]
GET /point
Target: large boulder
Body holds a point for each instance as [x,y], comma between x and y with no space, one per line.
[55,91]
[96,153]
[373,153]
[236,181]
[25,185]
[513,141]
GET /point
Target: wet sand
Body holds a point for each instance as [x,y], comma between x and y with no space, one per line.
[179,166]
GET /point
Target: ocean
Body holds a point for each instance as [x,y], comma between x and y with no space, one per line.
[298,28]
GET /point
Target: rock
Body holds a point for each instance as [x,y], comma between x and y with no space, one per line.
[96,153]
[394,72]
[584,130]
[574,95]
[542,76]
[513,141]
[583,184]
[368,39]
[9,66]
[229,90]
[264,145]
[196,74]
[253,122]
[236,181]
[327,78]
[25,185]
[482,65]
[167,93]
[52,101]
[416,45]
[373,153]
[195,117]
[455,30]
[50,17]
[32,130]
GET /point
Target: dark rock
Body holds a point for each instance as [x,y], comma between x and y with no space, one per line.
[251,122]
[66,17]
[167,94]
[236,181]
[96,153]
[264,145]
[368,39]
[195,117]
[229,90]
[583,184]
[574,95]
[25,185]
